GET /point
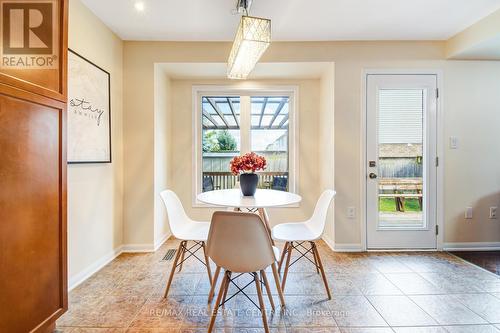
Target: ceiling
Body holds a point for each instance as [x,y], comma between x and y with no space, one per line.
[486,50]
[301,20]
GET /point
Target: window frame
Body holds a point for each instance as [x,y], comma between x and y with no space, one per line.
[198,91]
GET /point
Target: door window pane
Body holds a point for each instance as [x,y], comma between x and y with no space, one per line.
[401,160]
[269,137]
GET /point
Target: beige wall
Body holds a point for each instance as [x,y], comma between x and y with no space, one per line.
[467,98]
[181,143]
[463,98]
[95,191]
[162,156]
[472,173]
[326,143]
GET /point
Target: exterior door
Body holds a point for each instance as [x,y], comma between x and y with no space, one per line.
[401,161]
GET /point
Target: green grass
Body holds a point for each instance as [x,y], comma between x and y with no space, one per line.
[389,205]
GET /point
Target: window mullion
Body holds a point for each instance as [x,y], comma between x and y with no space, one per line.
[245,124]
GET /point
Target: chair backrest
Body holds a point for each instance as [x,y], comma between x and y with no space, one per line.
[318,219]
[177,217]
[239,242]
[208,184]
[279,183]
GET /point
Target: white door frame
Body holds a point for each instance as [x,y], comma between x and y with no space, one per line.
[439,149]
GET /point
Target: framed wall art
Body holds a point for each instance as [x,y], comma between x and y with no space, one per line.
[89,111]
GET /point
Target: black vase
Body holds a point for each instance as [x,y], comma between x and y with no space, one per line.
[248,183]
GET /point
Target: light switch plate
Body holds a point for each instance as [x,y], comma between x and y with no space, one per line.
[453,142]
[493,213]
[468,212]
[351,212]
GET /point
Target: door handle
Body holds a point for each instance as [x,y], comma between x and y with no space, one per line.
[372,175]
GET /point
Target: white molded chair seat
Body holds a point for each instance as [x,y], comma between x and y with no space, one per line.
[193,230]
[181,225]
[309,230]
[295,234]
[288,232]
[186,230]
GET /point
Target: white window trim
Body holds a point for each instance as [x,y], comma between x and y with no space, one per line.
[238,90]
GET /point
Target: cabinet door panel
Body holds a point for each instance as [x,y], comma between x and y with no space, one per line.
[32,211]
[43,73]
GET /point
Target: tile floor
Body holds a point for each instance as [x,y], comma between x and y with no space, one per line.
[372,292]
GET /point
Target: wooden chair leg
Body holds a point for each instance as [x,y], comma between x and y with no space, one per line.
[283,253]
[261,303]
[182,255]
[268,289]
[278,286]
[287,265]
[263,215]
[227,287]
[217,303]
[325,281]
[207,261]
[172,271]
[213,285]
[315,259]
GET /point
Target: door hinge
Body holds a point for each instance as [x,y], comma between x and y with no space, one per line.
[437,161]
[437,92]
[437,230]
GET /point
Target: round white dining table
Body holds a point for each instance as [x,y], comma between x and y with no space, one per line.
[263,198]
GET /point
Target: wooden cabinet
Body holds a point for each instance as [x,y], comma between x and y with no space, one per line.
[33,261]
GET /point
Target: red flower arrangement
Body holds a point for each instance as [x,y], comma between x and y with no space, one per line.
[248,163]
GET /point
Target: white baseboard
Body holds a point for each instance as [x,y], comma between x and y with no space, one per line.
[162,240]
[472,246]
[138,248]
[342,247]
[348,247]
[77,279]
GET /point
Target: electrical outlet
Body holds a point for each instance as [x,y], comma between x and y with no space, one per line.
[493,212]
[468,213]
[351,212]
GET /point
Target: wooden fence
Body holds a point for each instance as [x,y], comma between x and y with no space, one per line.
[226,180]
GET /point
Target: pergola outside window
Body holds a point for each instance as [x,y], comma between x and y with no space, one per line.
[224,112]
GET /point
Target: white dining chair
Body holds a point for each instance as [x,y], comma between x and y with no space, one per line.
[240,243]
[296,234]
[264,217]
[186,230]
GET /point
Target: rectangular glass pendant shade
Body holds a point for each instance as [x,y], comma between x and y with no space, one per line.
[252,39]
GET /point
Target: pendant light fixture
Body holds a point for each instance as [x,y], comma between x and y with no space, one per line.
[251,41]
